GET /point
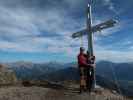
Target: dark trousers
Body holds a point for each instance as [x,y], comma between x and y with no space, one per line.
[90,78]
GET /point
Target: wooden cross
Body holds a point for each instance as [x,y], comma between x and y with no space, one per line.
[92,29]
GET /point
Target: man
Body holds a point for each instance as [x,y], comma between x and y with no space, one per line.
[82,69]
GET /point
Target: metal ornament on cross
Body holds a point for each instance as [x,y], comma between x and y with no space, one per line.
[89,30]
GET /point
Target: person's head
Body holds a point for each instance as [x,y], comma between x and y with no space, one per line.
[93,58]
[82,50]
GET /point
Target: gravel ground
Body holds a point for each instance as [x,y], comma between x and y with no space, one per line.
[39,93]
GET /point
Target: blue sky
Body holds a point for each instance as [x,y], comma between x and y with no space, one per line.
[40,30]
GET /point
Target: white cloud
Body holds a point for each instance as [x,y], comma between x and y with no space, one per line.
[110,5]
[19,29]
[111,55]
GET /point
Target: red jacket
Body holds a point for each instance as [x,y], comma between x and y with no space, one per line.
[82,61]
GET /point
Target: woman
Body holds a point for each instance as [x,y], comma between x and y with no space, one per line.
[90,71]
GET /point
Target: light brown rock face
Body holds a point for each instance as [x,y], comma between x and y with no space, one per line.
[7,76]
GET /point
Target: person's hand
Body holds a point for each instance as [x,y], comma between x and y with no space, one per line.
[93,65]
[88,64]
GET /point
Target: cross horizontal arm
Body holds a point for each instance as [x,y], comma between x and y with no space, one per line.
[105,25]
[99,27]
[79,34]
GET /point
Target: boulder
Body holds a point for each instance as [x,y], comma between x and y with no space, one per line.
[7,76]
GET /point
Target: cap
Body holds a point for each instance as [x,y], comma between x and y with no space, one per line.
[82,48]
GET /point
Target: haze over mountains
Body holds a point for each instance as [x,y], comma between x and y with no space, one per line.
[106,73]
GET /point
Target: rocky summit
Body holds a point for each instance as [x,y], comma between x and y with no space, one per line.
[55,93]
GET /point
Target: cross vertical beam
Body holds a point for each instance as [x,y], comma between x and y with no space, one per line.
[89,30]
[90,37]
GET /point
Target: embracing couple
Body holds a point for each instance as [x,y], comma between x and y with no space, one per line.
[86,63]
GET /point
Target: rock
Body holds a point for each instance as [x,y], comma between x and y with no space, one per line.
[7,76]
